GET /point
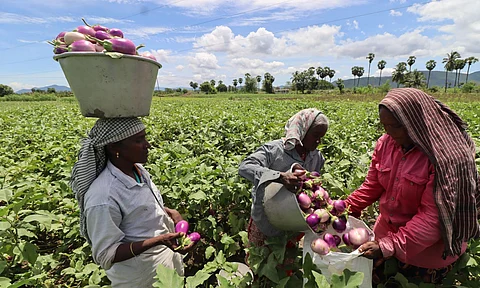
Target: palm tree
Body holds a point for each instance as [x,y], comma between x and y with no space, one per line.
[430,66]
[459,65]
[240,81]
[319,71]
[247,75]
[259,79]
[370,58]
[235,83]
[354,73]
[411,61]
[331,73]
[360,71]
[398,74]
[324,72]
[212,83]
[470,60]
[450,64]
[381,65]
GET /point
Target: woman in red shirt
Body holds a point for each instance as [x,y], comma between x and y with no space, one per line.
[424,176]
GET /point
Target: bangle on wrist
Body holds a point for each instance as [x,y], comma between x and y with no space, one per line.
[131,249]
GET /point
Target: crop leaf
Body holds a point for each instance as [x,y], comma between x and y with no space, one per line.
[168,278]
[348,279]
[198,279]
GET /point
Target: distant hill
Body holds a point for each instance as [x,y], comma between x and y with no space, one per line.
[437,78]
[57,88]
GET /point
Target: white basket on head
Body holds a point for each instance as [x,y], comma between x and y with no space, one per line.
[107,87]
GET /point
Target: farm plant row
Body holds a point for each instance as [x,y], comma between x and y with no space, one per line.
[197,145]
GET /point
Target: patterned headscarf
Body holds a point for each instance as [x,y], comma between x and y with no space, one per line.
[92,158]
[298,125]
[441,134]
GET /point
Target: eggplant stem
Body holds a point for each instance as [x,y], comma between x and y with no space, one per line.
[139,46]
[83,19]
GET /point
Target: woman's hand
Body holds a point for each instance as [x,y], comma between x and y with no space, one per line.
[292,181]
[170,239]
[371,250]
[174,214]
[187,249]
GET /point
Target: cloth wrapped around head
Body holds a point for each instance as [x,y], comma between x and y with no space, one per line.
[298,125]
[92,158]
[440,133]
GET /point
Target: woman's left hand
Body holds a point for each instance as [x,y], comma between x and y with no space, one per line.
[174,214]
[371,250]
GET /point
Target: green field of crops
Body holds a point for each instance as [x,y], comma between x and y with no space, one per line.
[197,144]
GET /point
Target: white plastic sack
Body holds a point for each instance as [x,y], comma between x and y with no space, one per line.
[336,262]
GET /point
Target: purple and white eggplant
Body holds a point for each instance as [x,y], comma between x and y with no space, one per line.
[71,37]
[82,46]
[116,32]
[319,246]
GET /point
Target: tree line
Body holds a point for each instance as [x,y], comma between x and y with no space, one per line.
[314,78]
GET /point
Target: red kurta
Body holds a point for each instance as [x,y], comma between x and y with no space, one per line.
[408,226]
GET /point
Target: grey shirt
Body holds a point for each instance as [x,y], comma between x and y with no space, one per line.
[264,166]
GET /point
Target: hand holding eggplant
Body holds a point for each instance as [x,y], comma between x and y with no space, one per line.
[371,250]
[292,181]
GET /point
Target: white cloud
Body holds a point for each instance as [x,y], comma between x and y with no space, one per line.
[353,24]
[18,86]
[162,55]
[203,61]
[255,66]
[389,45]
[385,72]
[204,7]
[464,16]
[395,13]
[398,1]
[144,32]
[11,18]
[180,67]
[380,26]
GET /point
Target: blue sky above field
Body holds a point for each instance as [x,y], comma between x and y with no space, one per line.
[198,40]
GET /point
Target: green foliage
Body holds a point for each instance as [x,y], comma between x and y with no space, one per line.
[470,87]
[207,87]
[197,146]
[250,85]
[222,87]
[30,97]
[5,90]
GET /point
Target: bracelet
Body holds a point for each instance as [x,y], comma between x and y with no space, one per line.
[131,249]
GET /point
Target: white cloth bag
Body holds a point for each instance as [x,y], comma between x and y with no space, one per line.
[336,262]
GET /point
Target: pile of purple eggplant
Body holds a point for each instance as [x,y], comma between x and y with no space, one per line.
[96,38]
[320,211]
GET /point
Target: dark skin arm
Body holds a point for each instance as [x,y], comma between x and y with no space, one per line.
[371,250]
[124,253]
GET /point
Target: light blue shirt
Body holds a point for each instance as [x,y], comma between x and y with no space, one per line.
[264,166]
[120,210]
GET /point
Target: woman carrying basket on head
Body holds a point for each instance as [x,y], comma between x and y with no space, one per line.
[122,214]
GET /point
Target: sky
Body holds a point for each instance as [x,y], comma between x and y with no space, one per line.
[200,40]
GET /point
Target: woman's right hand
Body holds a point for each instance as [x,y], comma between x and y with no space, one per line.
[291,180]
[170,239]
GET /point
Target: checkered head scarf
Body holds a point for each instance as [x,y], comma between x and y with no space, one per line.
[298,125]
[440,133]
[92,157]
